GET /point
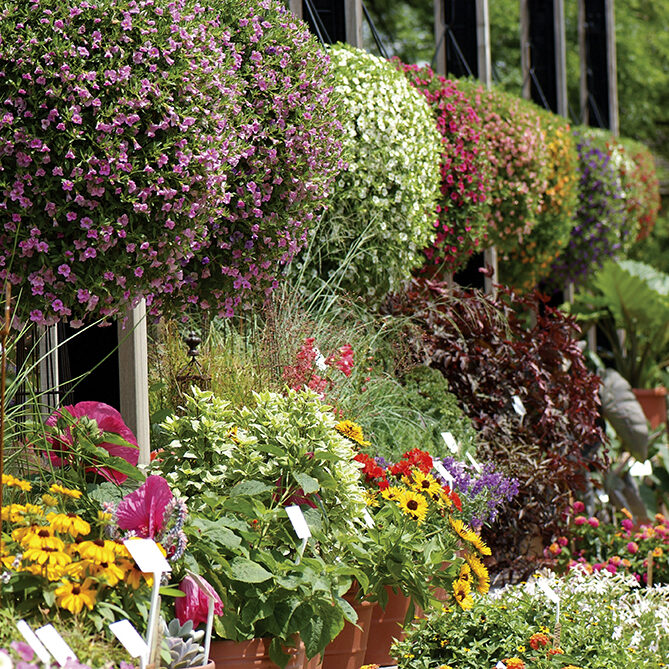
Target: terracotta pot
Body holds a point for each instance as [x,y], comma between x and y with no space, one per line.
[385,626]
[252,654]
[653,401]
[347,650]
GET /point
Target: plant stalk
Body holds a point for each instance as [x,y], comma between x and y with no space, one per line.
[4,334]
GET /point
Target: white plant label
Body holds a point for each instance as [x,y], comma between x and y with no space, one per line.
[548,591]
[641,469]
[369,521]
[55,644]
[500,665]
[147,555]
[298,521]
[33,641]
[450,442]
[443,472]
[130,639]
[518,405]
[476,465]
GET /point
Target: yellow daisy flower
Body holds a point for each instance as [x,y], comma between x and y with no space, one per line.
[133,576]
[47,556]
[469,535]
[67,492]
[461,592]
[13,512]
[49,500]
[41,538]
[413,504]
[352,431]
[391,493]
[97,550]
[465,573]
[426,484]
[109,571]
[480,571]
[12,482]
[74,596]
[68,523]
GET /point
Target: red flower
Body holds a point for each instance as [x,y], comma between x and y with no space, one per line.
[108,420]
[401,468]
[454,497]
[420,459]
[195,605]
[143,511]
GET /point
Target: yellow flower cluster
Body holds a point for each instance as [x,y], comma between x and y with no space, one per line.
[59,547]
[468,535]
[462,587]
[352,431]
[12,482]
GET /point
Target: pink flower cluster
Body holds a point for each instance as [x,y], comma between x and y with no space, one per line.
[310,368]
[464,175]
[167,151]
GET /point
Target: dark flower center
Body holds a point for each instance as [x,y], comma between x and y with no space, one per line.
[412,504]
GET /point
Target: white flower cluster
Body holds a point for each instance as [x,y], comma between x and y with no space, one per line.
[388,194]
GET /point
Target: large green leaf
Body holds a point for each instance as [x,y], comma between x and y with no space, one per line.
[308,483]
[247,571]
[249,488]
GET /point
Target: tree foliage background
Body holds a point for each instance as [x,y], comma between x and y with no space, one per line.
[642,42]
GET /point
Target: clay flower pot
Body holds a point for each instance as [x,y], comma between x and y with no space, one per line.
[348,649]
[254,654]
[653,401]
[385,626]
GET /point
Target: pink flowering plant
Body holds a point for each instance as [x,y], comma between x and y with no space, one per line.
[626,545]
[514,146]
[136,163]
[465,174]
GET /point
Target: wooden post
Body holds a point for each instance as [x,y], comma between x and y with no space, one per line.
[483,42]
[134,377]
[569,292]
[439,37]
[48,369]
[353,12]
[295,6]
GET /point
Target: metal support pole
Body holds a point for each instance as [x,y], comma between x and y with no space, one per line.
[353,9]
[134,377]
[483,42]
[582,48]
[295,6]
[612,67]
[560,59]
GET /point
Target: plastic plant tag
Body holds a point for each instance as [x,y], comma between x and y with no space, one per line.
[55,644]
[450,442]
[147,555]
[130,638]
[500,665]
[369,521]
[33,641]
[298,521]
[518,405]
[443,472]
[548,591]
[641,469]
[476,465]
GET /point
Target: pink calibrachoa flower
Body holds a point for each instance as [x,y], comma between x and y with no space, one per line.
[195,605]
[633,547]
[580,520]
[593,522]
[578,507]
[143,511]
[101,416]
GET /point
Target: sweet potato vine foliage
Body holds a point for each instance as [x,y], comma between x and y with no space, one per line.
[162,149]
[489,354]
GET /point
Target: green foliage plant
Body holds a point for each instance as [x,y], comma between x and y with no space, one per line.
[240,467]
[384,203]
[606,621]
[633,296]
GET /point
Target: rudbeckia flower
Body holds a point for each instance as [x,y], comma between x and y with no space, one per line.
[74,596]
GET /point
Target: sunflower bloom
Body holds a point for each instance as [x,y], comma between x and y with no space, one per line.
[391,493]
[66,492]
[413,504]
[352,431]
[74,596]
[68,523]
